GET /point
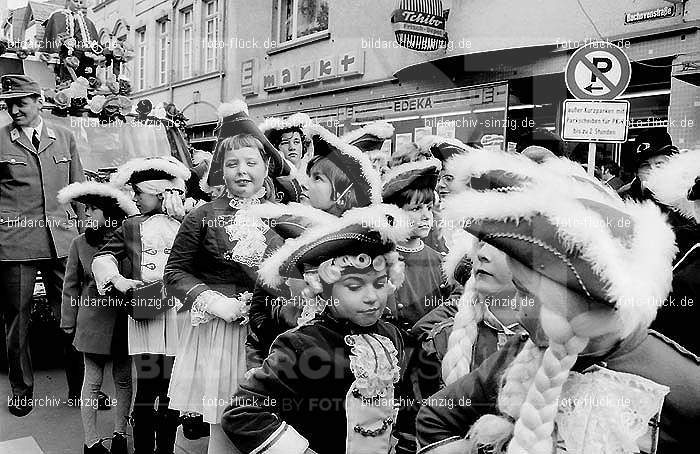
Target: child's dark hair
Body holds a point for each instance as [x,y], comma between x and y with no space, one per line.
[411,195]
[275,137]
[339,183]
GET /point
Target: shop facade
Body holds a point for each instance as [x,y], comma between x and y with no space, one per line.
[500,74]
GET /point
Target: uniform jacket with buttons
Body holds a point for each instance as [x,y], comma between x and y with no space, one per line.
[33,225]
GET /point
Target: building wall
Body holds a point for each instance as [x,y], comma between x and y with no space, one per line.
[501,29]
[206,86]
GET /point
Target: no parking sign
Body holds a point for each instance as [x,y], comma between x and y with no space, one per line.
[598,71]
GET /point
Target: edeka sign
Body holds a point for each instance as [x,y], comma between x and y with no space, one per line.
[330,67]
[419,24]
[408,105]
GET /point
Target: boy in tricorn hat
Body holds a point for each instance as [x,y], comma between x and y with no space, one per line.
[341,365]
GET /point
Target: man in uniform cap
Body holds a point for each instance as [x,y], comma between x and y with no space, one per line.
[36,161]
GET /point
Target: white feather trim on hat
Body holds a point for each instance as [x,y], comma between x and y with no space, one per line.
[568,168]
[229,108]
[167,164]
[381,129]
[200,156]
[671,182]
[397,171]
[374,216]
[636,274]
[368,171]
[297,120]
[425,143]
[80,189]
[476,163]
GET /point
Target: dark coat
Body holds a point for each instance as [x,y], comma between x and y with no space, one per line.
[198,260]
[33,225]
[99,322]
[680,316]
[647,354]
[302,383]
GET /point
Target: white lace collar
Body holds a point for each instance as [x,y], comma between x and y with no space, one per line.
[608,412]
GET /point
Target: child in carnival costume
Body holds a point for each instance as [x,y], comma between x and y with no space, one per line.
[98,325]
[341,366]
[339,178]
[590,376]
[145,242]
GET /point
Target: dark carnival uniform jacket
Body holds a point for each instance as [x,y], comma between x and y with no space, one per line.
[100,325]
[304,385]
[645,353]
[198,258]
[33,225]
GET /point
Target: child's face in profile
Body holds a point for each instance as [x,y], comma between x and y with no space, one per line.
[421,215]
[360,297]
[94,217]
[146,203]
[320,190]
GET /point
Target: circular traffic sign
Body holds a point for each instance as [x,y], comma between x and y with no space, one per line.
[599,70]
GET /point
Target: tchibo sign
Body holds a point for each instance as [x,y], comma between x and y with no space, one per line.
[419,24]
[651,14]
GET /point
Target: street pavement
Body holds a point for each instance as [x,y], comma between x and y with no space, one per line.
[56,428]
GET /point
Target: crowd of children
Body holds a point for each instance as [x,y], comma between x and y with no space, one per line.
[332,298]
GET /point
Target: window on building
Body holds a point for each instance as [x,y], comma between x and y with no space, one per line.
[187,32]
[299,18]
[141,58]
[162,51]
[211,30]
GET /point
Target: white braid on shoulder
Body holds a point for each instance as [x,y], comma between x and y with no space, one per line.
[465,331]
[496,431]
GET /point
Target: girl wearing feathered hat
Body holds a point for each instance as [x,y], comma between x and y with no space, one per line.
[590,377]
[676,184]
[328,386]
[339,177]
[97,323]
[143,243]
[213,269]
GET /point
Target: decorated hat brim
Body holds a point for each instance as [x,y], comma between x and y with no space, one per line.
[351,161]
[622,256]
[143,169]
[411,175]
[92,192]
[353,230]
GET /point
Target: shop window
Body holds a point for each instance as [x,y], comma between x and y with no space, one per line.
[300,18]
